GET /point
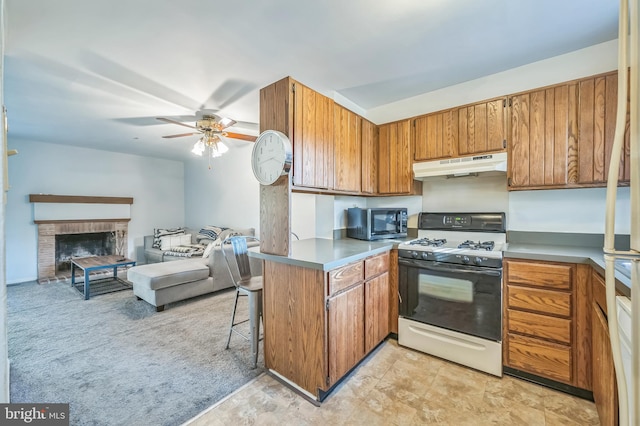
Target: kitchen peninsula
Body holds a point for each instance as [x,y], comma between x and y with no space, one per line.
[326,306]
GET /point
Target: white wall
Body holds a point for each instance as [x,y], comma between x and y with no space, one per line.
[156,185]
[227,194]
[566,210]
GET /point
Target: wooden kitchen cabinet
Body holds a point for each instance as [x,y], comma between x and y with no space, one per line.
[347,161]
[561,136]
[369,169]
[543,139]
[435,135]
[319,325]
[597,106]
[345,331]
[546,321]
[376,300]
[605,391]
[482,127]
[306,117]
[395,174]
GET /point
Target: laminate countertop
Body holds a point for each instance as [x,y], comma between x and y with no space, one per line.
[326,254]
[570,254]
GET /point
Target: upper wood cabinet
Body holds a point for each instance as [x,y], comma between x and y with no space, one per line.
[369,169]
[312,138]
[395,175]
[463,131]
[561,136]
[435,135]
[542,146]
[347,150]
[306,117]
[597,107]
[481,127]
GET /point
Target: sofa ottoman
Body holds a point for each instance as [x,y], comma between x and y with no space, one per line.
[167,282]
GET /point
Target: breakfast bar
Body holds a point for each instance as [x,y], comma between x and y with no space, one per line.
[326,306]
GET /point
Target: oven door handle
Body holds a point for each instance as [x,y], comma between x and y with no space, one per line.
[446,267]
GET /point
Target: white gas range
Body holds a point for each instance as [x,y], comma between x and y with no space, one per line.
[450,283]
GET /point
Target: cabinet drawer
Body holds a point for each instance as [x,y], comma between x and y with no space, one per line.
[549,275]
[538,300]
[376,265]
[539,357]
[543,326]
[346,276]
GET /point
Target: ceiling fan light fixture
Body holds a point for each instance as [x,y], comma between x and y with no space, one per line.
[218,149]
[198,147]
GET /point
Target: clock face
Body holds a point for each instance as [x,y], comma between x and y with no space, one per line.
[271,156]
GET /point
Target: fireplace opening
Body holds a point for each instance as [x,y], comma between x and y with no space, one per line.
[82,245]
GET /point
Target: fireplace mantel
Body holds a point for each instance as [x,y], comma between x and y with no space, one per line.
[78,199]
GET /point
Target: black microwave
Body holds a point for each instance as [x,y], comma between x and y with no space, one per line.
[376,224]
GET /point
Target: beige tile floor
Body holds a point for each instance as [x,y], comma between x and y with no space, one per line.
[399,386]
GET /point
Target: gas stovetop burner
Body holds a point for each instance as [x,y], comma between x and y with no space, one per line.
[435,242]
[477,245]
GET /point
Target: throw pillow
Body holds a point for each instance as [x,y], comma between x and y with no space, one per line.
[170,241]
[209,232]
[160,232]
[208,250]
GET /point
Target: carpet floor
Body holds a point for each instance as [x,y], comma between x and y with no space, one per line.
[116,361]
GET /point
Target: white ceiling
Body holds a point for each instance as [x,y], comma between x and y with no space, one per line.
[95,74]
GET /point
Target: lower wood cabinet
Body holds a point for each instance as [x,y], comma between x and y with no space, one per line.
[319,325]
[546,321]
[605,391]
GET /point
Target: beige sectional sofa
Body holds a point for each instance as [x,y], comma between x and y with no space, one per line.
[165,282]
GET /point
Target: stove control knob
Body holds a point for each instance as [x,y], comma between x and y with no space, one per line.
[465,259]
[477,260]
[415,254]
[425,255]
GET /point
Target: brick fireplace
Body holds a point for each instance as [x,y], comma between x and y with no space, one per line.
[47,233]
[52,224]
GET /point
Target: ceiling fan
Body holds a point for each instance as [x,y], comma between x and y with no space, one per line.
[211,127]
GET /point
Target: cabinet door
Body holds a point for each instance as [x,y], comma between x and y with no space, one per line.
[312,138]
[481,127]
[345,331]
[376,310]
[394,173]
[542,146]
[597,108]
[347,150]
[369,157]
[435,136]
[605,393]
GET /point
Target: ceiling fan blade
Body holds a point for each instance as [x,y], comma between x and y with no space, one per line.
[241,136]
[181,135]
[167,120]
[226,122]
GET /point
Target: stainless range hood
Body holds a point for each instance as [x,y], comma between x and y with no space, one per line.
[462,166]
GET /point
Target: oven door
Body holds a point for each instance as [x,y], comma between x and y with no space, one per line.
[462,298]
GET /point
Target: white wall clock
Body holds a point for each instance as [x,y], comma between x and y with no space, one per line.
[271,156]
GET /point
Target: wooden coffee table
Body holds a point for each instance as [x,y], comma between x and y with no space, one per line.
[94,263]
